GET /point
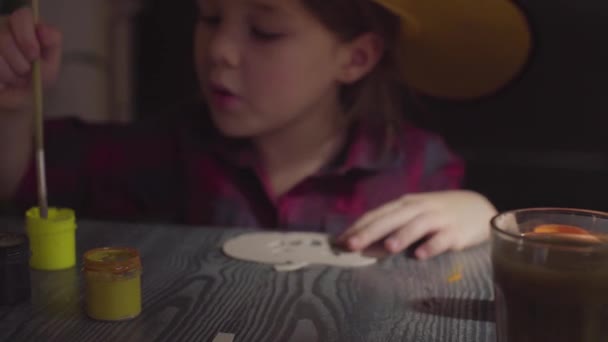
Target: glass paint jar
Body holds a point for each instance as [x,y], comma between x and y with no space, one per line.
[14,269]
[112,283]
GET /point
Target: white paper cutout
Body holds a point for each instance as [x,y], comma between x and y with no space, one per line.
[292,251]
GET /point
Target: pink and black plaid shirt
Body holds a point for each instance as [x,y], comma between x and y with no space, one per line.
[178,169]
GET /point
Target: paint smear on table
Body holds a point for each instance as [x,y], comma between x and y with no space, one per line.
[455,274]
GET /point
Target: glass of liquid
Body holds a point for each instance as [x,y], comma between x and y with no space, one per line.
[550,270]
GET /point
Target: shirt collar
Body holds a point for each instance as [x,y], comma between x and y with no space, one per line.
[366,149]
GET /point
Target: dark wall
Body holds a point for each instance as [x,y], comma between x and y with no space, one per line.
[164,57]
[541,141]
[7,6]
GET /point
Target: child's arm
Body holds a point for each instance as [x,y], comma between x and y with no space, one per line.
[452,220]
[21,42]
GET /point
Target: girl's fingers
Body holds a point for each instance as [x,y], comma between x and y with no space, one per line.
[23,29]
[368,219]
[417,228]
[384,226]
[439,243]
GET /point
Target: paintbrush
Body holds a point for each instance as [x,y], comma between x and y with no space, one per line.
[38,126]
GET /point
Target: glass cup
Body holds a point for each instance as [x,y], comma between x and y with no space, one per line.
[550,269]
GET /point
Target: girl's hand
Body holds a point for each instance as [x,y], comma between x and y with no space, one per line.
[22,41]
[451,220]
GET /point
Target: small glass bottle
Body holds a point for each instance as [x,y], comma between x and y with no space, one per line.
[112,283]
[14,269]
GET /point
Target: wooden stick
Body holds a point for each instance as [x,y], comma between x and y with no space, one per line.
[38,126]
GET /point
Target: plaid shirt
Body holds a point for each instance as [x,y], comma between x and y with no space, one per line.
[178,169]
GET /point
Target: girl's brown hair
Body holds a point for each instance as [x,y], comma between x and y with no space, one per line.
[377,97]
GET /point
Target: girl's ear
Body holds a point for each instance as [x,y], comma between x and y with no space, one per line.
[360,57]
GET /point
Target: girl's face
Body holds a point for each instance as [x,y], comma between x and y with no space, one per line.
[265,65]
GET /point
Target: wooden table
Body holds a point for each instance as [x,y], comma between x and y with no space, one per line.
[191,291]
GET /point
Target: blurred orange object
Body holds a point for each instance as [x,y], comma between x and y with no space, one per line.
[560,229]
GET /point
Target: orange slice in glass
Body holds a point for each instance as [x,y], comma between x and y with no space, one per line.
[560,229]
[563,232]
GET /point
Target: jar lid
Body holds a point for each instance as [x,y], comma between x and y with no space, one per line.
[14,247]
[115,260]
[57,221]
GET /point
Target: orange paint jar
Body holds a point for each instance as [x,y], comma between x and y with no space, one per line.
[112,283]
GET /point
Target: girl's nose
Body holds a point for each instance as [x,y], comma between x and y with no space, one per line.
[224,47]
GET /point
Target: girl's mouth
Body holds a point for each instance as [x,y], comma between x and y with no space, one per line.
[222,98]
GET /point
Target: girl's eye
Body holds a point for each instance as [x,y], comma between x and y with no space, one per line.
[209,20]
[265,36]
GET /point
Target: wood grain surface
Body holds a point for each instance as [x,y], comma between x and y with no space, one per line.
[192,292]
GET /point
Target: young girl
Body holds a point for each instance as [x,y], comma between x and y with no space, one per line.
[301,130]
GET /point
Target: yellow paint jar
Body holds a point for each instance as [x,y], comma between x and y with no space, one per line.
[52,240]
[112,283]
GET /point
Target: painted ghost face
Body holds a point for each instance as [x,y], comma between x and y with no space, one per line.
[292,251]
